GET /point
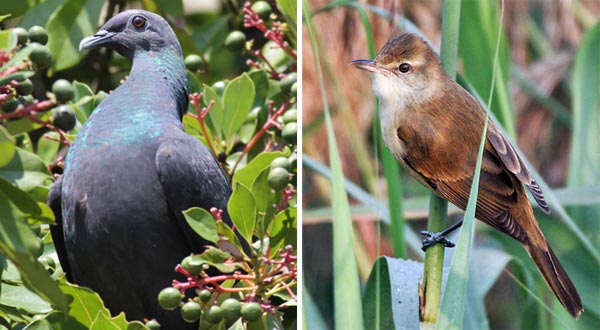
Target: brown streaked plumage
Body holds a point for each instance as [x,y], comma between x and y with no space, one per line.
[433,127]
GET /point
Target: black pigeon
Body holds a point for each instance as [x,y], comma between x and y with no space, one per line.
[129,174]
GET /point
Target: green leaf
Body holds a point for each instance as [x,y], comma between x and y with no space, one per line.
[19,75]
[584,161]
[8,40]
[21,125]
[346,285]
[87,310]
[479,24]
[216,258]
[73,21]
[242,209]
[47,148]
[16,242]
[211,33]
[174,8]
[7,147]
[16,8]
[290,11]
[216,114]
[203,223]
[237,103]
[25,171]
[40,14]
[261,86]
[386,301]
[283,229]
[20,297]
[225,231]
[260,187]
[18,58]
[250,172]
[21,199]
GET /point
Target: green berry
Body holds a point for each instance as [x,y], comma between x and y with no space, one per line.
[294,88]
[63,117]
[282,162]
[213,314]
[193,62]
[169,298]
[190,267]
[231,309]
[190,311]
[10,105]
[38,34]
[278,178]
[263,9]
[204,295]
[21,34]
[251,311]
[290,116]
[290,132]
[253,114]
[287,82]
[40,55]
[153,325]
[219,87]
[36,248]
[24,87]
[26,99]
[235,41]
[63,90]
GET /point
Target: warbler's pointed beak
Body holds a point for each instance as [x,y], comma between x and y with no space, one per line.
[101,38]
[368,65]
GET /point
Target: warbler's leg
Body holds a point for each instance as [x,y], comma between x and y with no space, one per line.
[439,237]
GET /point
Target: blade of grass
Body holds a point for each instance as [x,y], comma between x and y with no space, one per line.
[479,25]
[438,207]
[370,201]
[348,308]
[453,301]
[585,150]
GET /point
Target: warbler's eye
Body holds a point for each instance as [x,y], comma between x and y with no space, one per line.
[404,67]
[138,22]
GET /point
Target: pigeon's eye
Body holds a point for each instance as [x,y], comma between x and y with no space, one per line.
[138,22]
[404,67]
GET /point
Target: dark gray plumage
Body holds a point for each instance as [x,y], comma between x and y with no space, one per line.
[130,173]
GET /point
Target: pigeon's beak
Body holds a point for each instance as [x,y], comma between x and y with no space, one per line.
[368,65]
[101,38]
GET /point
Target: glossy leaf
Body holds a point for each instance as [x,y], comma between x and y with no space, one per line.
[250,172]
[72,22]
[7,147]
[216,114]
[17,242]
[216,258]
[237,103]
[203,223]
[25,171]
[242,209]
[283,228]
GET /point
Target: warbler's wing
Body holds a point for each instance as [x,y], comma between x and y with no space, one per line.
[515,165]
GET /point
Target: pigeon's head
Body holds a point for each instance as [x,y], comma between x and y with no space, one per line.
[132,31]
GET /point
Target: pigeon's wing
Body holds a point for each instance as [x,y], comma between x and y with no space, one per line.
[190,176]
[511,160]
[56,229]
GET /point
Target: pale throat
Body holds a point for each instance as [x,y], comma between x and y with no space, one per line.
[396,98]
